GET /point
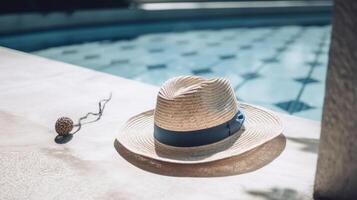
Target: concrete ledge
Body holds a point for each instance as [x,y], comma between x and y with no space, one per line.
[35,91]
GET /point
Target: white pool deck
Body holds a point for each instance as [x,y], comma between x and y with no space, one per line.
[35,91]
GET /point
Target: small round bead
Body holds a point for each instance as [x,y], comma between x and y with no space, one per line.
[64,126]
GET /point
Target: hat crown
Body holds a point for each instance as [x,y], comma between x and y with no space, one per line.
[190,103]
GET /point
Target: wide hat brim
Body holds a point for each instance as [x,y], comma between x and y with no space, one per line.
[259,141]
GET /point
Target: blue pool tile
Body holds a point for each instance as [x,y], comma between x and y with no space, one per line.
[94,63]
[270,60]
[317,51]
[251,76]
[319,73]
[202,35]
[225,57]
[51,53]
[266,65]
[260,39]
[156,77]
[119,61]
[261,54]
[157,50]
[157,39]
[127,47]
[306,80]
[313,94]
[202,71]
[179,64]
[183,42]
[293,106]
[213,44]
[69,51]
[269,106]
[298,54]
[278,71]
[229,37]
[154,59]
[281,48]
[126,71]
[289,42]
[314,64]
[323,59]
[245,47]
[189,53]
[314,114]
[269,90]
[221,51]
[91,56]
[234,79]
[270,44]
[152,38]
[156,66]
[325,49]
[201,61]
[235,66]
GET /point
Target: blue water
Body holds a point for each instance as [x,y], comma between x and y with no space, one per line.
[280,68]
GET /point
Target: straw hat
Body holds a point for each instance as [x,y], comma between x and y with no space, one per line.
[199,129]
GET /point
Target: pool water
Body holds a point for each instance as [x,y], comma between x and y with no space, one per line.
[280,68]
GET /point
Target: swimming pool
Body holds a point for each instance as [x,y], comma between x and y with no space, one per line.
[281,68]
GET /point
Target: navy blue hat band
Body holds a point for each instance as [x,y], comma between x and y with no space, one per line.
[199,137]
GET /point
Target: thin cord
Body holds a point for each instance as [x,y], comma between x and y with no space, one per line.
[101,105]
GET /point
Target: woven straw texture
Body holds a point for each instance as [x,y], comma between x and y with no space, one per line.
[192,103]
[259,127]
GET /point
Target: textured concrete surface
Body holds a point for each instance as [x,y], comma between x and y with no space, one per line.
[35,91]
[336,177]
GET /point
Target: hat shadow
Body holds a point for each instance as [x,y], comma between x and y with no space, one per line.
[247,162]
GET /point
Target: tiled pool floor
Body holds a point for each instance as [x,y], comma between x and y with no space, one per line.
[281,68]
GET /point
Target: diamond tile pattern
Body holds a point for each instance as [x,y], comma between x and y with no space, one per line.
[293,106]
[69,51]
[201,71]
[244,47]
[191,53]
[281,68]
[127,47]
[183,42]
[225,57]
[213,44]
[87,57]
[123,61]
[270,60]
[250,76]
[158,66]
[156,50]
[306,80]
